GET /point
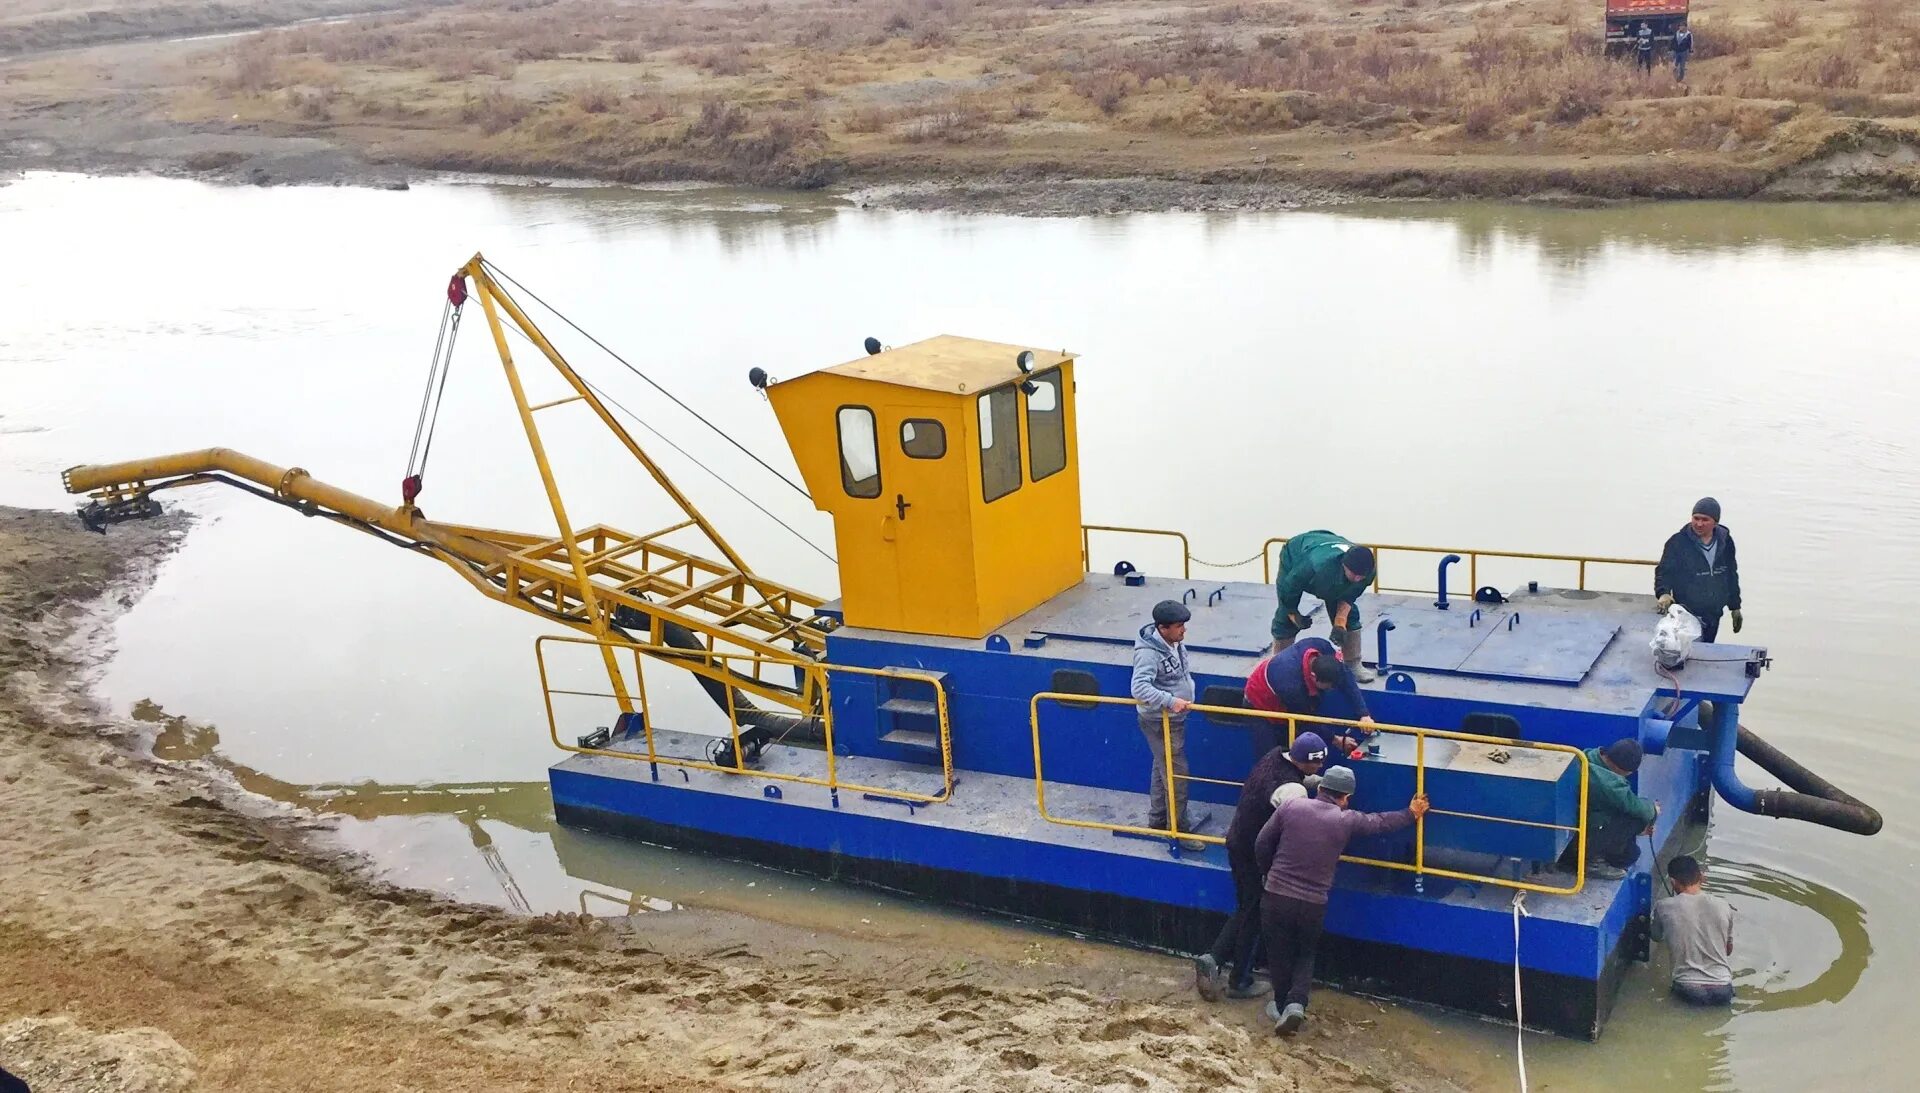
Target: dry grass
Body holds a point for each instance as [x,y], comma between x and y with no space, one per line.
[630,90]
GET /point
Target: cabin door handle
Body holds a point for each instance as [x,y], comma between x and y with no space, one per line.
[901,504]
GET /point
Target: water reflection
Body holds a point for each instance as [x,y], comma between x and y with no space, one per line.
[735,220]
[1573,240]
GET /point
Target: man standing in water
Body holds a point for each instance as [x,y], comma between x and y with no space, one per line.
[1698,930]
[1333,570]
[1163,687]
[1699,572]
[1298,850]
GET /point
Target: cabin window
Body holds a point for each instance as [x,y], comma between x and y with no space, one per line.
[999,443]
[859,452]
[923,438]
[1046,426]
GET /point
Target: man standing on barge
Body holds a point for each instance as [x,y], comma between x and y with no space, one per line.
[1163,688]
[1699,572]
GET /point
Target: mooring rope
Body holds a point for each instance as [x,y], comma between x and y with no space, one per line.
[1519,1010]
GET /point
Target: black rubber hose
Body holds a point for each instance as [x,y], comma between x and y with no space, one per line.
[758,726]
[1811,798]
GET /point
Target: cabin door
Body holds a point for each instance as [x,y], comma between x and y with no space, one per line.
[925,517]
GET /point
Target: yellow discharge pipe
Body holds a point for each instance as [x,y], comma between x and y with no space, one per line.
[286,483]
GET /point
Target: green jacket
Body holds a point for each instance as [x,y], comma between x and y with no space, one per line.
[1609,796]
[1310,565]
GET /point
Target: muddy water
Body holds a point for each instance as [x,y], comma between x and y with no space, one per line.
[1528,379]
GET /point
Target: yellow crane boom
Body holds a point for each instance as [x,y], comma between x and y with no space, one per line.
[598,579]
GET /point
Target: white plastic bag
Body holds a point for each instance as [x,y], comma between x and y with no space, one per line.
[1673,637]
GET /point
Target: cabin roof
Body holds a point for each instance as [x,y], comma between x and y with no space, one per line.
[947,363]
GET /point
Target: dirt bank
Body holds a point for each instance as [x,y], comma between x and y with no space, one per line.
[1025,106]
[159,929]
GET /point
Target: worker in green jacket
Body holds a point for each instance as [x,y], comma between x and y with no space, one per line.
[1616,817]
[1334,570]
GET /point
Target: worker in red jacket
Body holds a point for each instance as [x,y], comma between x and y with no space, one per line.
[1296,679]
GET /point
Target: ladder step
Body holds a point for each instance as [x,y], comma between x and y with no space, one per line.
[913,739]
[918,672]
[918,707]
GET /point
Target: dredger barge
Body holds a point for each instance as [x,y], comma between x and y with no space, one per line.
[957,724]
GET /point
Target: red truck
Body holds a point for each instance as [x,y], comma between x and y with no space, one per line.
[1625,16]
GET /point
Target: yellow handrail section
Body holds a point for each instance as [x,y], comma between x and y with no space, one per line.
[817,681]
[1186,549]
[1419,864]
[1471,555]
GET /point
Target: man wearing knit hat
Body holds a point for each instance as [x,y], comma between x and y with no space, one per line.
[1616,816]
[1699,572]
[1283,766]
[1333,570]
[1162,687]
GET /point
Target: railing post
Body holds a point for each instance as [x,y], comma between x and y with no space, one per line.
[1419,823]
[1166,756]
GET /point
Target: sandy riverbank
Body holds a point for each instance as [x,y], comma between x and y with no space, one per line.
[162,930]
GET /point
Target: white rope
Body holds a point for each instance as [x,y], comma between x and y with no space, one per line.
[1519,1010]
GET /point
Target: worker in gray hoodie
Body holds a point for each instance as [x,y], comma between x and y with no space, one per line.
[1163,687]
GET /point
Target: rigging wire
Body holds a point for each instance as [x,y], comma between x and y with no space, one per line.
[628,365]
[688,456]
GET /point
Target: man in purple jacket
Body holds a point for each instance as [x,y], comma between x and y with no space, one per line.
[1298,850]
[1279,767]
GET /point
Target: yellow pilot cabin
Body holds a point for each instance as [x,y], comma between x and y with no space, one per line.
[950,469]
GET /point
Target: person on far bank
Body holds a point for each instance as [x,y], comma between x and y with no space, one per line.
[1297,850]
[1278,768]
[1333,570]
[1643,48]
[1296,679]
[1163,686]
[1698,930]
[1698,571]
[1616,817]
[1682,52]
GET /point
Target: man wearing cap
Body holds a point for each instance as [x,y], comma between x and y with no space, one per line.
[1280,767]
[1616,818]
[1699,572]
[1163,688]
[1333,570]
[1297,851]
[1297,678]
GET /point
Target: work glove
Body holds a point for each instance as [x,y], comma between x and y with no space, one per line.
[1660,605]
[1736,620]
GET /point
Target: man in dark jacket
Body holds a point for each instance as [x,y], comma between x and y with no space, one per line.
[1699,572]
[1297,678]
[1298,850]
[1616,817]
[1643,47]
[1279,767]
[1682,52]
[1333,570]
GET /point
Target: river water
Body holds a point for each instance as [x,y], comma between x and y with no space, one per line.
[1489,376]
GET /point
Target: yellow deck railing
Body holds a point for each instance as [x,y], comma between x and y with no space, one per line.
[1418,866]
[816,681]
[1471,555]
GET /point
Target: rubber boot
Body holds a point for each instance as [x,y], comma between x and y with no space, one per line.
[1279,644]
[1350,649]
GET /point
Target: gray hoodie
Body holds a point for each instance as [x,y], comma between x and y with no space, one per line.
[1160,673]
